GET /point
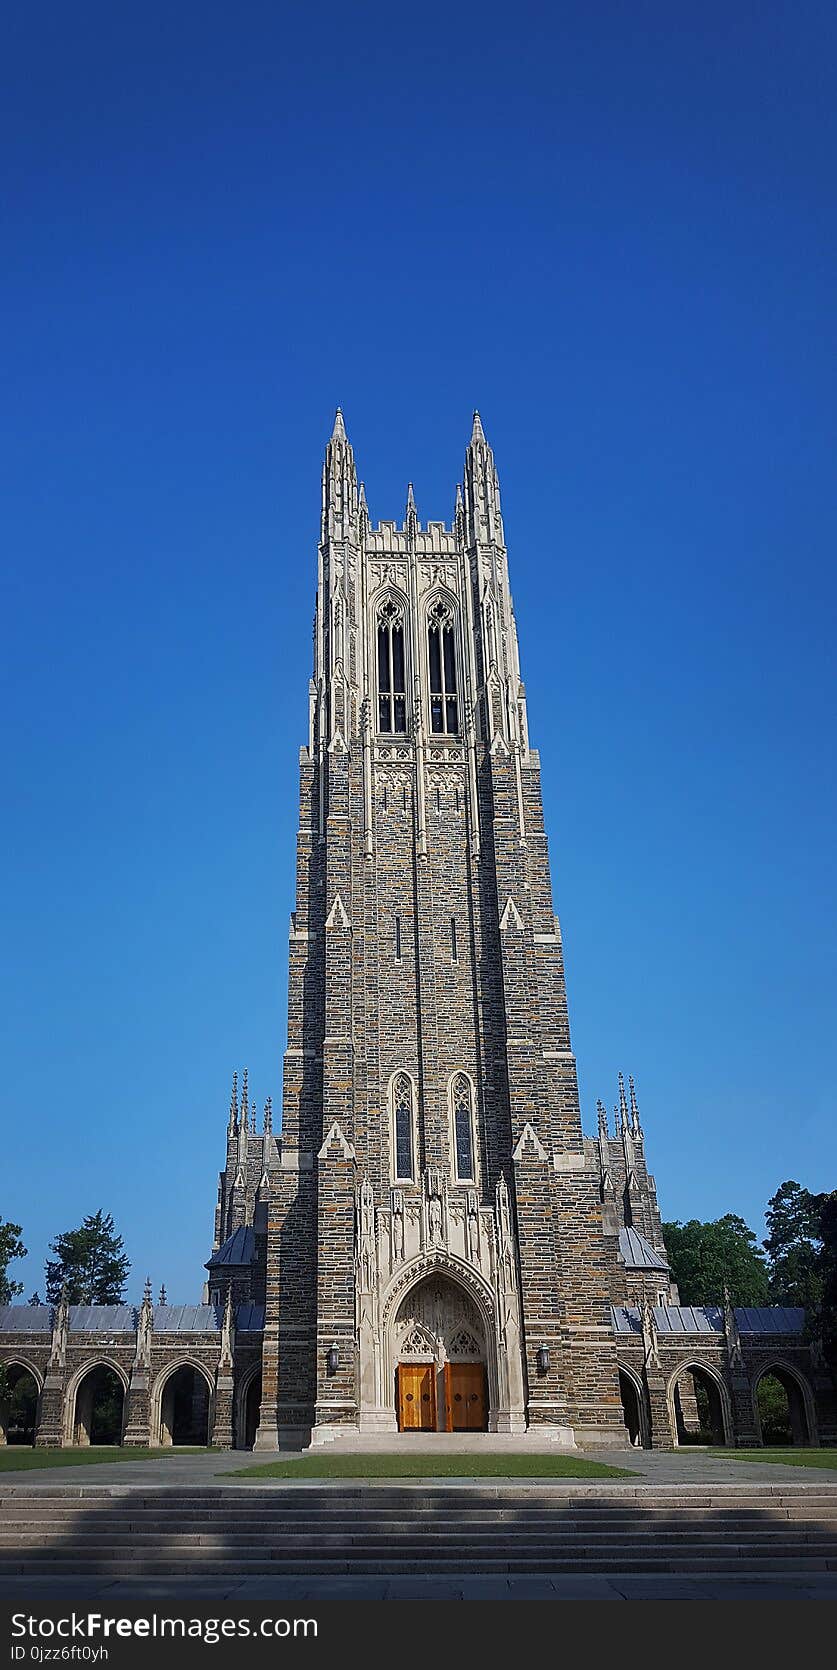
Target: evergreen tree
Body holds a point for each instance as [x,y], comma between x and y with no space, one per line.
[705,1257]
[794,1247]
[824,1323]
[89,1262]
[11,1247]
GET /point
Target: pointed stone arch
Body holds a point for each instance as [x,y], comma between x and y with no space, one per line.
[158,1389]
[643,1414]
[694,1364]
[782,1370]
[74,1386]
[20,1368]
[243,1392]
[452,1272]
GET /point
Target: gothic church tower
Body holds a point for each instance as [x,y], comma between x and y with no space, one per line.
[435,1255]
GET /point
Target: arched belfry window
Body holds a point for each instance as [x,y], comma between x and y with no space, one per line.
[462,1109]
[444,706]
[392,671]
[403,1127]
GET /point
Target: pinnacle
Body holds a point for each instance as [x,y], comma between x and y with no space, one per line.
[477,433]
[411,503]
[338,433]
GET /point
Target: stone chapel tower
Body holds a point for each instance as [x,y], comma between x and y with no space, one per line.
[435,1252]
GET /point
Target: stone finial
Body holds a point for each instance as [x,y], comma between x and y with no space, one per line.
[733,1337]
[60,1330]
[361,502]
[338,433]
[163,1296]
[623,1103]
[410,513]
[227,1332]
[268,1116]
[477,430]
[244,1101]
[233,1119]
[146,1292]
[635,1124]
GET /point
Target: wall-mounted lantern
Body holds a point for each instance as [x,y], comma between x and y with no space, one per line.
[543,1359]
[332,1359]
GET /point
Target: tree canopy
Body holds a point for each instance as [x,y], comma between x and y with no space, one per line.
[11,1247]
[825,1321]
[794,1247]
[706,1257]
[89,1262]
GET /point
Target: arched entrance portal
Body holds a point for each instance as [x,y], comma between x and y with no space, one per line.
[19,1412]
[184,1408]
[700,1412]
[99,1407]
[780,1405]
[439,1352]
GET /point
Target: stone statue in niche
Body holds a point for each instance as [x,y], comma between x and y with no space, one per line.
[473,1227]
[397,1226]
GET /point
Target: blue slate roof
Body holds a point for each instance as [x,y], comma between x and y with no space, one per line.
[709,1319]
[102,1319]
[637,1253]
[122,1319]
[239,1249]
[250,1319]
[25,1319]
[186,1319]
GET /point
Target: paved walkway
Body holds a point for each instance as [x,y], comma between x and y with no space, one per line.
[262,1592]
[650,1467]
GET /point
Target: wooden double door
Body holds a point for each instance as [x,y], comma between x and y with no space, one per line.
[465,1405]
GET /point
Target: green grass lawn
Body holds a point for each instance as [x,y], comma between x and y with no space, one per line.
[18,1457]
[824,1459]
[400,1466]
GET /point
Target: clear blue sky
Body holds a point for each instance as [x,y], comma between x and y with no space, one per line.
[612,229]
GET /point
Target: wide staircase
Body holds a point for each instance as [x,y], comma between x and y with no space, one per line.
[506,1530]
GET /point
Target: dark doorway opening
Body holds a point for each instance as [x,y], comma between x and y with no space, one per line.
[100,1403]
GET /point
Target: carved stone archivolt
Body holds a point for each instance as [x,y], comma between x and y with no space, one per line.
[439,1319]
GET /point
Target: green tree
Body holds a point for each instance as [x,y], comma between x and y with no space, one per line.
[89,1262]
[824,1323]
[11,1247]
[705,1257]
[794,1247]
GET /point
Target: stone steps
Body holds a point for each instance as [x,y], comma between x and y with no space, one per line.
[458,1531]
[723,1558]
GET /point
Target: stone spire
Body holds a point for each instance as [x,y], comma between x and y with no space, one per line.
[244,1094]
[477,429]
[268,1116]
[340,496]
[623,1104]
[410,513]
[635,1124]
[163,1298]
[232,1123]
